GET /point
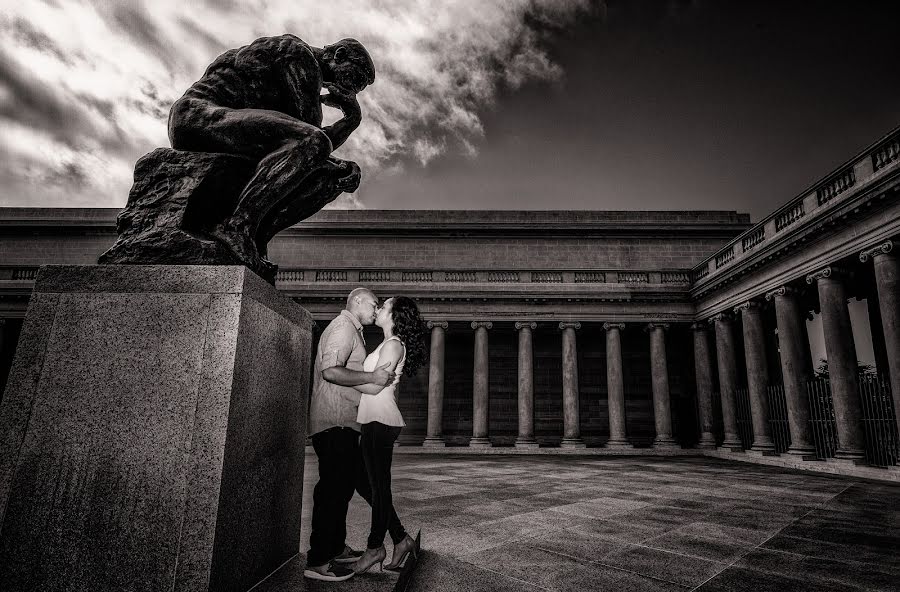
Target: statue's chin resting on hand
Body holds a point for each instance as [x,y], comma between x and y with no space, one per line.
[250,156]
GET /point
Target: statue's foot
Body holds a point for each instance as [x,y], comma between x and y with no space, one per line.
[239,243]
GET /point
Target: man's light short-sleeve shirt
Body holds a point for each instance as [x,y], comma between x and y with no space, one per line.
[333,405]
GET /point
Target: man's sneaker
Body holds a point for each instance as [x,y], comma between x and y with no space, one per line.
[348,555]
[330,573]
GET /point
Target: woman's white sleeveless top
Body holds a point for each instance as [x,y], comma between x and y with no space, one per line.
[383,406]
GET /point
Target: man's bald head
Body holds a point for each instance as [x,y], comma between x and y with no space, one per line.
[352,298]
[363,304]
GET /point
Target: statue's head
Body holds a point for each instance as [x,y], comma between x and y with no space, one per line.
[348,65]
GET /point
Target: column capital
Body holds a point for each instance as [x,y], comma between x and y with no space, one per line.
[480,324]
[438,324]
[608,326]
[721,317]
[569,325]
[781,291]
[882,249]
[523,324]
[826,272]
[653,325]
[750,304]
[699,326]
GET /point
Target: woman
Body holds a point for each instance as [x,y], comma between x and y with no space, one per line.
[380,419]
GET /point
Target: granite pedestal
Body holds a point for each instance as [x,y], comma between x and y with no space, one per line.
[153,431]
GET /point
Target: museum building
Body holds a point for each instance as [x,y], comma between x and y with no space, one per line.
[620,330]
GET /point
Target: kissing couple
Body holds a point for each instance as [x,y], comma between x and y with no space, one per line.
[354,421]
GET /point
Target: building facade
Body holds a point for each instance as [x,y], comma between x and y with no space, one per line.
[613,329]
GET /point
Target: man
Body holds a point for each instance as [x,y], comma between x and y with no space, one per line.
[264,101]
[335,435]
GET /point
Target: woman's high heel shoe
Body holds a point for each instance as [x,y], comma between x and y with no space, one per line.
[401,550]
[370,558]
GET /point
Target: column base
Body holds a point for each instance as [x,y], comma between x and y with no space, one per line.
[618,443]
[665,442]
[572,443]
[480,443]
[434,442]
[807,452]
[707,441]
[765,447]
[526,443]
[849,454]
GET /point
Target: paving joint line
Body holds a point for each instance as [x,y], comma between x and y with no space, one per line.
[774,534]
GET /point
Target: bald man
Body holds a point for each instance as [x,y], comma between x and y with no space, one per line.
[335,435]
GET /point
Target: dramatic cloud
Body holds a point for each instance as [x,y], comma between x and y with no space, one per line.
[85,86]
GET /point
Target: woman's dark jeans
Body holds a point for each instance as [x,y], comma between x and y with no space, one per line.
[377,443]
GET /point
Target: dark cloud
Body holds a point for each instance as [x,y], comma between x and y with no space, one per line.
[28,36]
[135,21]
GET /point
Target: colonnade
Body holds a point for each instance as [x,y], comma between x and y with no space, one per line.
[831,284]
[571,437]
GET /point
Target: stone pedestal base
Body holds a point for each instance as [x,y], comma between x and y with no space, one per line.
[707,442]
[527,443]
[153,431]
[436,442]
[480,443]
[572,443]
[618,444]
[805,453]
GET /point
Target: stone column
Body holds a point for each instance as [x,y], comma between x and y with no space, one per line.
[703,370]
[434,435]
[842,365]
[525,439]
[725,360]
[793,344]
[659,370]
[571,427]
[887,280]
[615,386]
[757,374]
[480,400]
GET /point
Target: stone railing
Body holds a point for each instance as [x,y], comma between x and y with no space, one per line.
[870,165]
[503,276]
[290,275]
[379,275]
[590,277]
[330,275]
[417,276]
[886,154]
[461,276]
[675,277]
[633,277]
[753,239]
[724,257]
[788,217]
[546,277]
[837,186]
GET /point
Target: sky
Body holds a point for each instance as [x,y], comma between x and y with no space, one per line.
[487,104]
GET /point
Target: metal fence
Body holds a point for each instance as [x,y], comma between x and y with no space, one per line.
[744,417]
[821,417]
[879,423]
[778,418]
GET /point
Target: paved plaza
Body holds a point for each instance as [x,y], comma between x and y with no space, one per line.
[631,523]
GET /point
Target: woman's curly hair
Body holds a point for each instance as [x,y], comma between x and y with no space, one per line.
[411,330]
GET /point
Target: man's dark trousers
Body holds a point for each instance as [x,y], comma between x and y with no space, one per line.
[341,472]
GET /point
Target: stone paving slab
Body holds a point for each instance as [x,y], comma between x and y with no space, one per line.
[587,523]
